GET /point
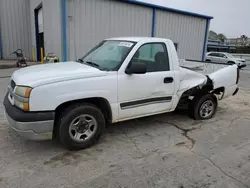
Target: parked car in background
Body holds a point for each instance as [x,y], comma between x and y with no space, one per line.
[222,57]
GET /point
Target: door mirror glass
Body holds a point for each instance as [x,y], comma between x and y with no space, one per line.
[136,67]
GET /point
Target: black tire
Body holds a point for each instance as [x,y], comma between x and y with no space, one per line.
[231,62]
[66,118]
[208,60]
[196,104]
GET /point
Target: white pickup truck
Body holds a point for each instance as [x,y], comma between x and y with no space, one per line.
[119,79]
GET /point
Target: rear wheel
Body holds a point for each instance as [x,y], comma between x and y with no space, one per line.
[208,60]
[203,107]
[80,126]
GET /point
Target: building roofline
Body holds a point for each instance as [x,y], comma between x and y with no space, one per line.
[211,40]
[168,9]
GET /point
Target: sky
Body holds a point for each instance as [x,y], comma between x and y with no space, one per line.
[231,17]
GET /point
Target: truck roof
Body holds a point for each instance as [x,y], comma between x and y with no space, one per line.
[137,39]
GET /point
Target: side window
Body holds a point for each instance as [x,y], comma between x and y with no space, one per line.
[222,55]
[154,55]
[213,55]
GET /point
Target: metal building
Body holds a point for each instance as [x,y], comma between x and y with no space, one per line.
[15,30]
[69,28]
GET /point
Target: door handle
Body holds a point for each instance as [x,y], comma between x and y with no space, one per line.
[168,80]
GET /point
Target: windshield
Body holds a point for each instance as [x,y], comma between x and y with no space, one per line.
[108,55]
[229,55]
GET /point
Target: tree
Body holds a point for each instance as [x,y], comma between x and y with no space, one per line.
[221,37]
[243,39]
[212,35]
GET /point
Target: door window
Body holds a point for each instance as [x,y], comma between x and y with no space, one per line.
[154,55]
[214,54]
[222,56]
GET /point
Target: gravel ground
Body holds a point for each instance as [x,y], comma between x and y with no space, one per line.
[168,150]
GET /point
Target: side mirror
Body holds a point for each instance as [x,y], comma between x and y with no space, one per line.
[136,68]
[225,57]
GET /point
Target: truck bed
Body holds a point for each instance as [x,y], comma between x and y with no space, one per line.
[202,66]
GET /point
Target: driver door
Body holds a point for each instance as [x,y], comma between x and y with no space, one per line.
[149,93]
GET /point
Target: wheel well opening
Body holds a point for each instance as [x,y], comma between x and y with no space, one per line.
[101,103]
[219,91]
[231,62]
[197,91]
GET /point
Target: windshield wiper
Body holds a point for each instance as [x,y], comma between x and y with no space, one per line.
[79,61]
[92,64]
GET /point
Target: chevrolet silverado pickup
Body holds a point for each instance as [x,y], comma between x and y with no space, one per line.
[118,80]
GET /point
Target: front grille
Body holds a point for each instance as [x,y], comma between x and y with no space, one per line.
[12,84]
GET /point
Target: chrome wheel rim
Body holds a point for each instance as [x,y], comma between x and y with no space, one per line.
[82,128]
[207,109]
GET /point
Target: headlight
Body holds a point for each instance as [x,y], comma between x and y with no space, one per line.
[22,97]
[23,91]
[22,105]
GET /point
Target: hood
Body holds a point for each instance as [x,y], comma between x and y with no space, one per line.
[238,59]
[50,73]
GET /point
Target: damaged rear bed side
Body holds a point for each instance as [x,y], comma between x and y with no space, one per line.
[213,78]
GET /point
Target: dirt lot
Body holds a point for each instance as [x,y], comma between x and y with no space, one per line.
[168,150]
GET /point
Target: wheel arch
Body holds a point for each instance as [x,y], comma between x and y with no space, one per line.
[231,62]
[99,102]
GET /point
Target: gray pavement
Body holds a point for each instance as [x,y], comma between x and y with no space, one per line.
[168,150]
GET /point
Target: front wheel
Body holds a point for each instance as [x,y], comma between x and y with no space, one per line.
[203,107]
[231,62]
[80,126]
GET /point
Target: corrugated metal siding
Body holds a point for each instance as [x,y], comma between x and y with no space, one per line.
[15,27]
[51,25]
[0,38]
[90,21]
[187,31]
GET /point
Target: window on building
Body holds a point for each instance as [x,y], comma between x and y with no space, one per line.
[154,55]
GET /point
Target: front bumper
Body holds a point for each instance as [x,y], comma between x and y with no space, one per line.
[30,125]
[236,91]
[242,66]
